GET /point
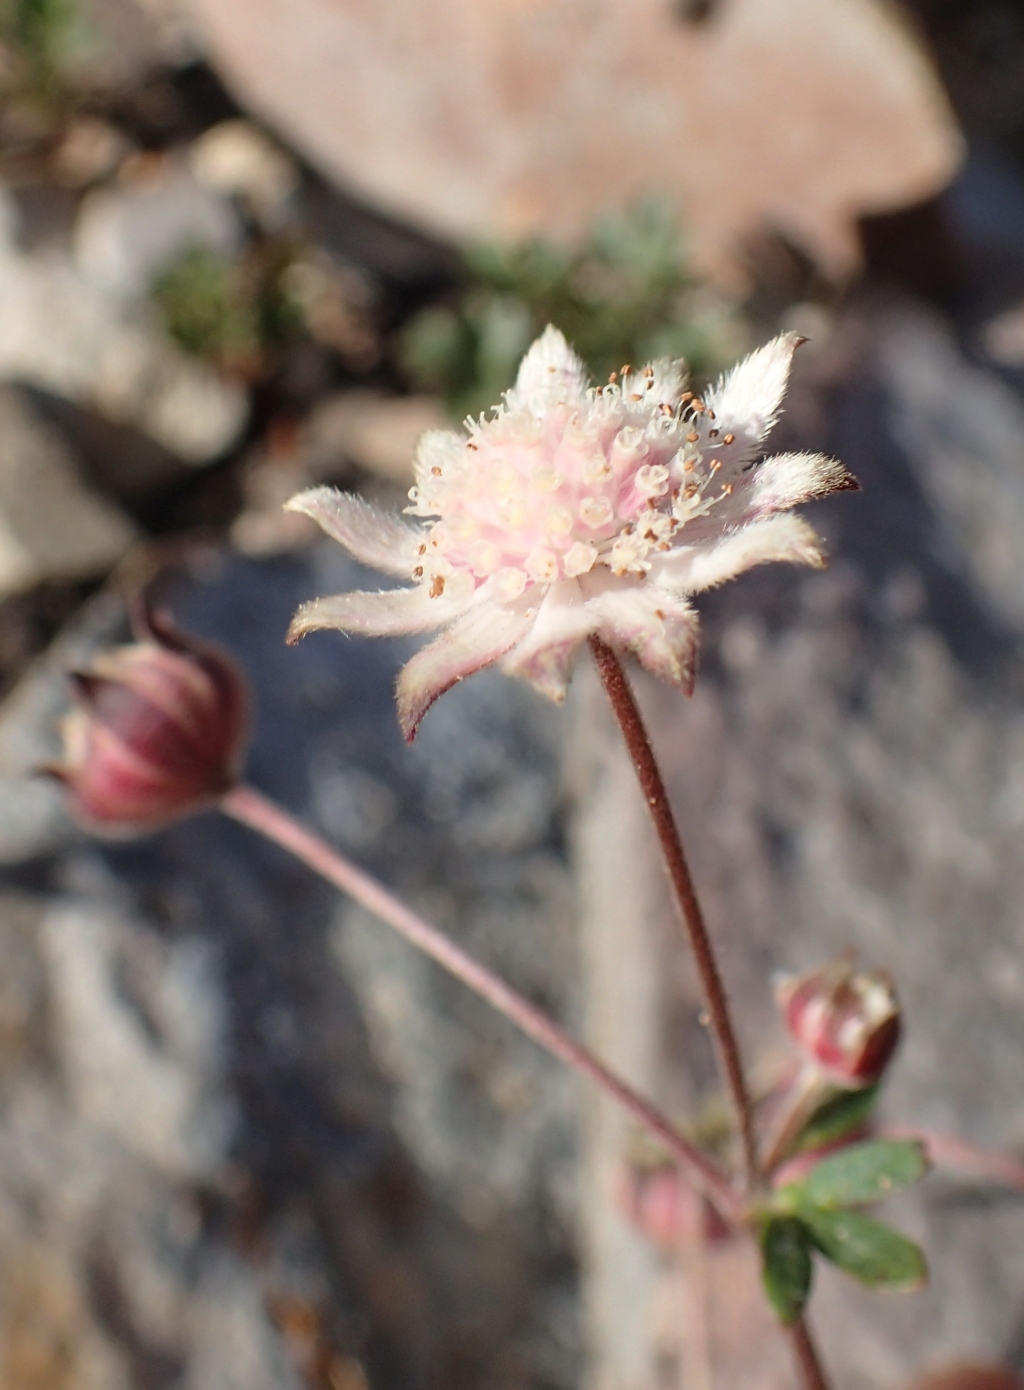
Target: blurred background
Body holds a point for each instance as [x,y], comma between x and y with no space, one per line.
[251,245]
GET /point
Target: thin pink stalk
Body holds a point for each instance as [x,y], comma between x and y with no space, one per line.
[652,784]
[248,806]
[950,1151]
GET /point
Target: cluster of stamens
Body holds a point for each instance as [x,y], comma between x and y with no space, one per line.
[529,500]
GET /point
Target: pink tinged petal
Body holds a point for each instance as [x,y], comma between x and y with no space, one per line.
[544,657]
[786,480]
[746,400]
[784,537]
[661,630]
[550,373]
[386,614]
[378,539]
[476,640]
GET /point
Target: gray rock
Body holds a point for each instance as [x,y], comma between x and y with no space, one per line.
[127,233]
[847,774]
[257,1113]
[62,333]
[52,526]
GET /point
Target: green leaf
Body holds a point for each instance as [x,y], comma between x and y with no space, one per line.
[863,1173]
[786,1269]
[873,1253]
[839,1115]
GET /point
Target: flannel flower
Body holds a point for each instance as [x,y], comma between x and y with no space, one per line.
[576,511]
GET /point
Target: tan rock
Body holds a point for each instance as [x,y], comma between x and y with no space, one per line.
[516,116]
[379,433]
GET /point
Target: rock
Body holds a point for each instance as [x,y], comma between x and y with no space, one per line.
[52,527]
[61,332]
[235,1143]
[127,233]
[120,43]
[848,774]
[236,159]
[1002,338]
[90,150]
[785,114]
[379,433]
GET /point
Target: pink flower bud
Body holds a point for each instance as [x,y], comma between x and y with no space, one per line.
[158,733]
[848,1021]
[662,1205]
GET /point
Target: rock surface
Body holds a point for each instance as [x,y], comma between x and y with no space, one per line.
[59,331]
[247,1140]
[125,234]
[847,774]
[52,526]
[509,118]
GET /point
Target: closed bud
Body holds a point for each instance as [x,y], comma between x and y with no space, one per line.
[158,732]
[847,1020]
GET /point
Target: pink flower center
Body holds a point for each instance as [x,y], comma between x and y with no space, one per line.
[530,500]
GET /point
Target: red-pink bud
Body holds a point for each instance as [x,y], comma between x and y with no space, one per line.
[848,1021]
[661,1204]
[159,731]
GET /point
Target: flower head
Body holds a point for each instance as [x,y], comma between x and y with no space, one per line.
[159,731]
[576,510]
[846,1021]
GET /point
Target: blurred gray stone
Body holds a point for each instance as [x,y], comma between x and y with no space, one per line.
[127,233]
[62,333]
[52,526]
[378,433]
[245,1132]
[847,774]
[235,159]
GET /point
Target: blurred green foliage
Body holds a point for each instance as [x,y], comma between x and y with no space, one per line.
[233,312]
[48,35]
[624,295]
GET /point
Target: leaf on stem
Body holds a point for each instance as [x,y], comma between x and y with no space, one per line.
[838,1116]
[786,1269]
[875,1254]
[863,1173]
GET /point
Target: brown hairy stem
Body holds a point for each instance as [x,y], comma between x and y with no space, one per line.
[638,744]
[248,806]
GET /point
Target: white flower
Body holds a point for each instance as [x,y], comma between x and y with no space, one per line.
[574,511]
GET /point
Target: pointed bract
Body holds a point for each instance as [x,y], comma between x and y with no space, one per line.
[747,399]
[549,374]
[375,538]
[389,613]
[572,512]
[474,641]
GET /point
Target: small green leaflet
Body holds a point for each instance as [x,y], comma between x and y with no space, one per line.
[836,1117]
[786,1269]
[873,1253]
[862,1173]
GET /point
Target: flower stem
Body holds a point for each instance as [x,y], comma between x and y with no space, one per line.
[812,1374]
[623,702]
[248,806]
